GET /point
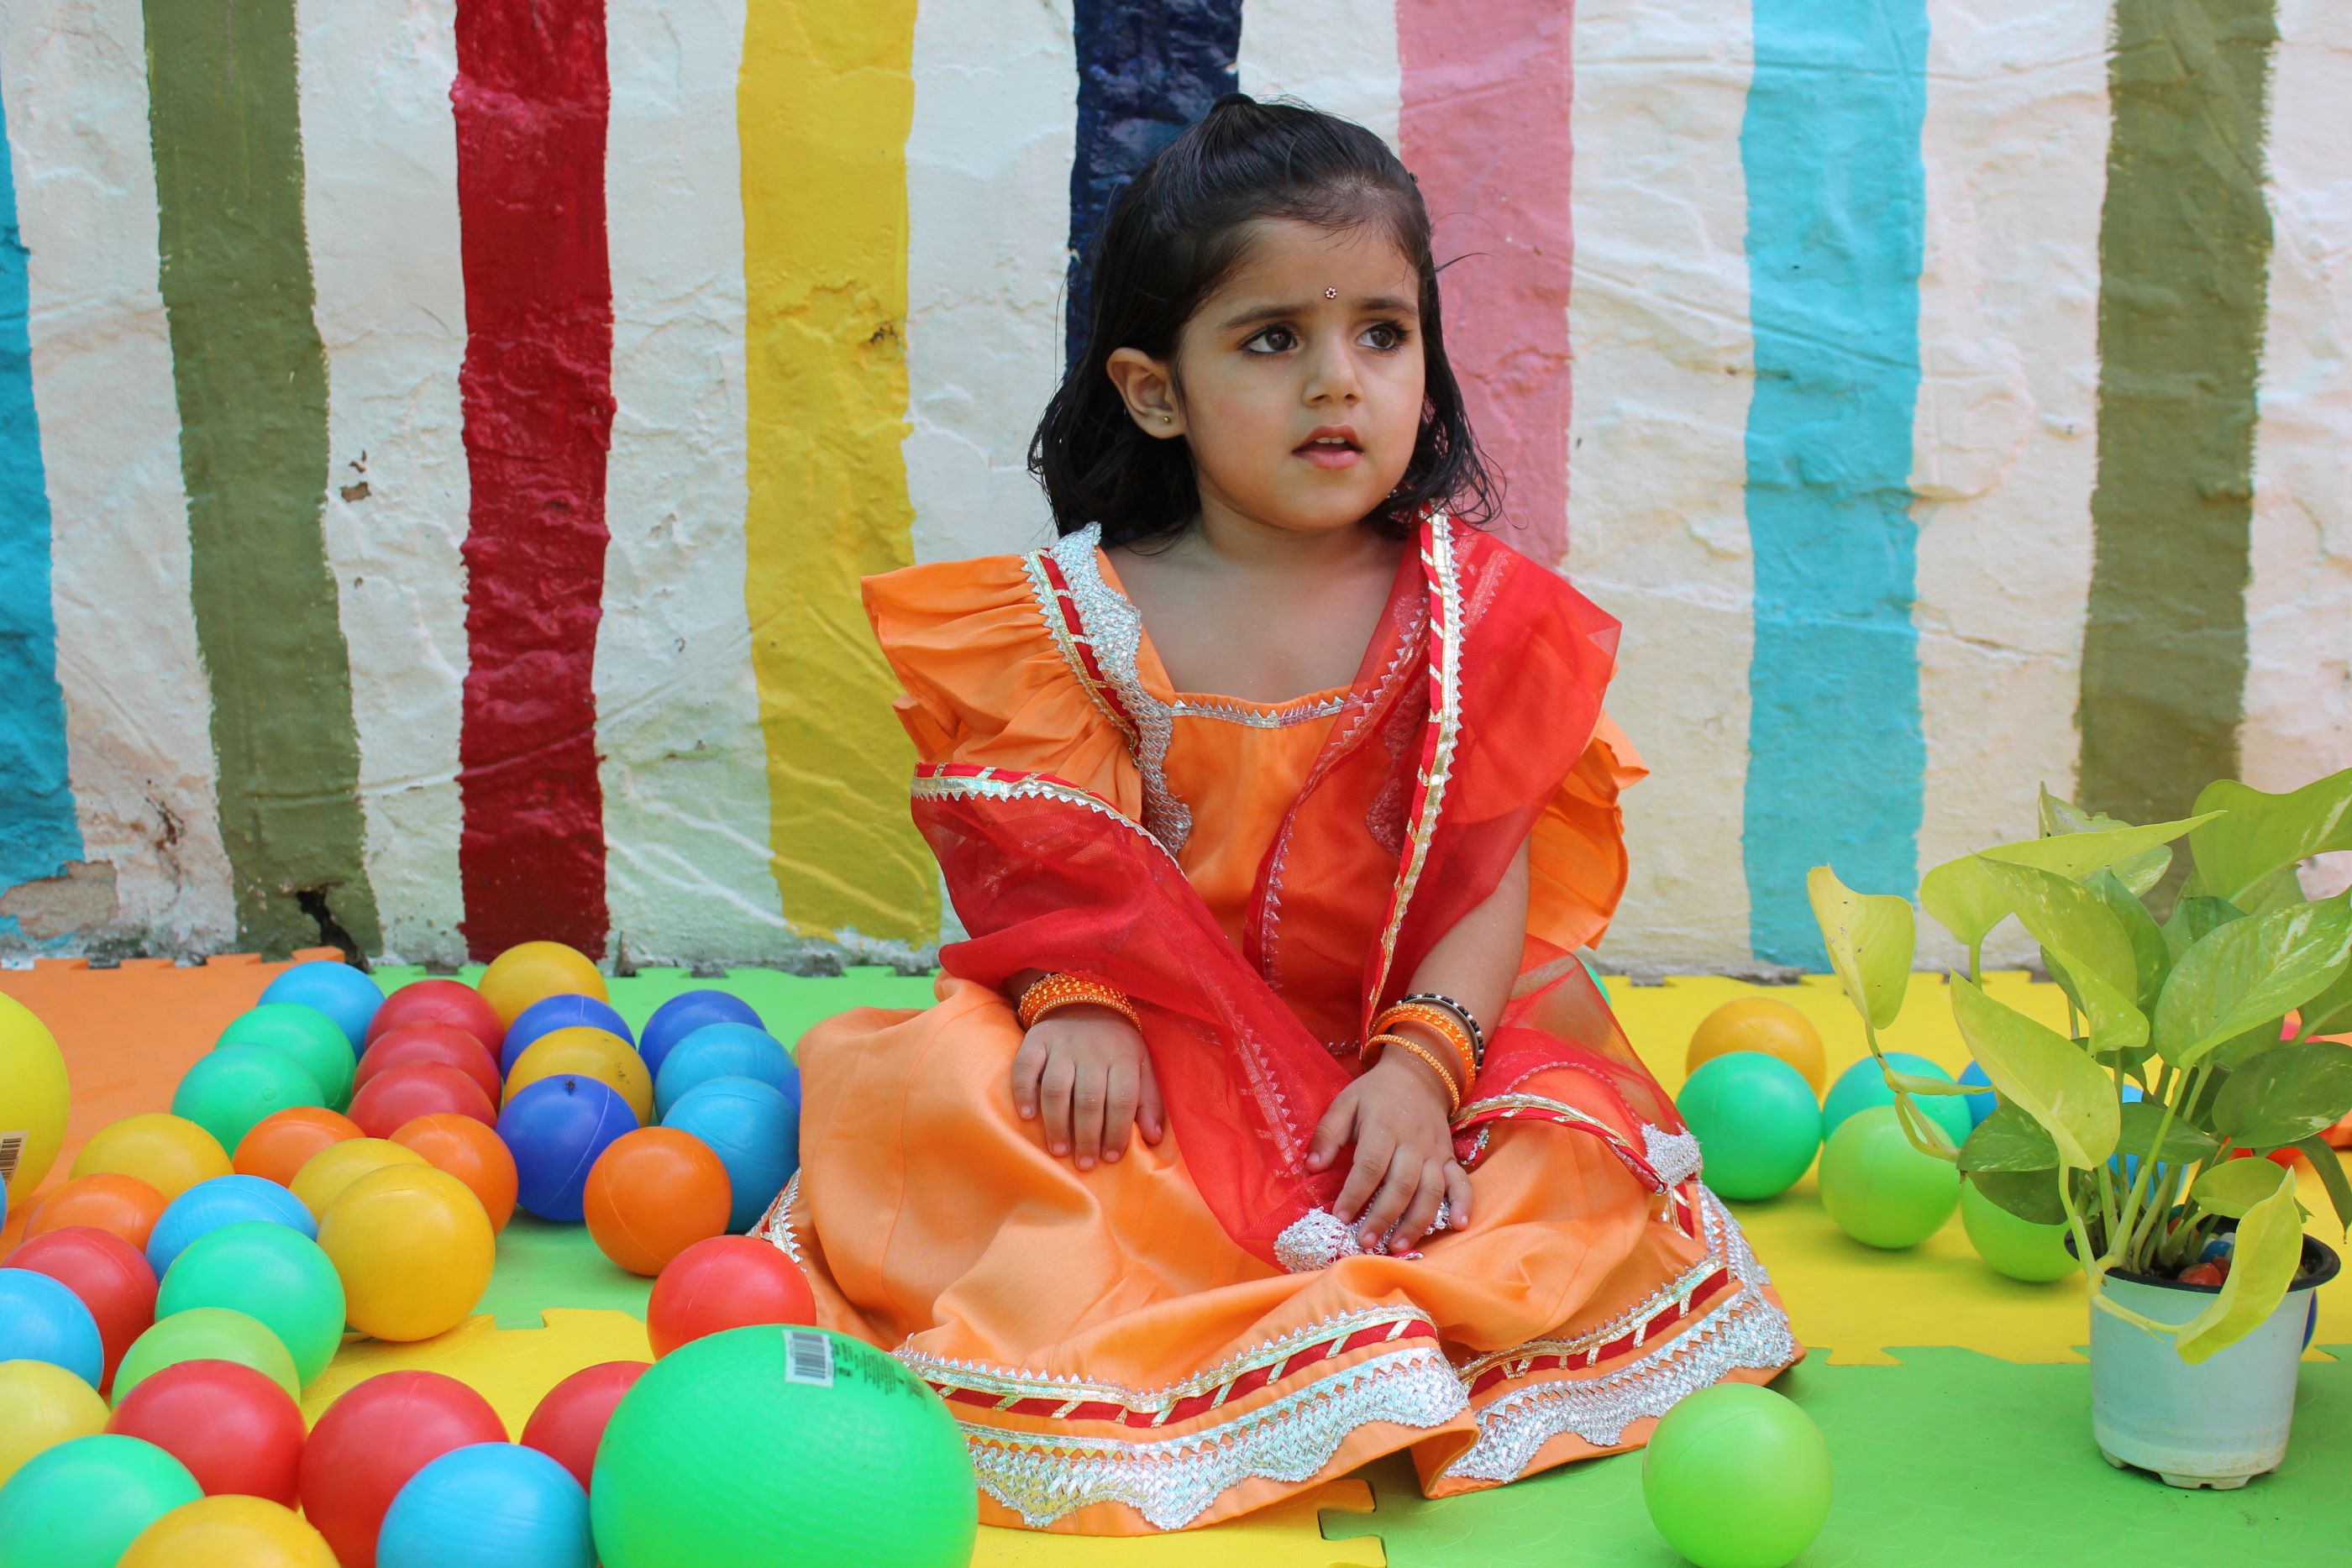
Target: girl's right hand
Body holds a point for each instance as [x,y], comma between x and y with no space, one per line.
[1086,1067]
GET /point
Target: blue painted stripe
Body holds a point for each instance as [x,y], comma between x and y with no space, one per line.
[1835,213]
[38,833]
[1146,69]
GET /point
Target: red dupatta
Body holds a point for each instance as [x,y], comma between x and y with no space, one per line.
[1485,682]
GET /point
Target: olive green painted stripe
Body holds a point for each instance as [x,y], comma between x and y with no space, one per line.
[251,380]
[2184,254]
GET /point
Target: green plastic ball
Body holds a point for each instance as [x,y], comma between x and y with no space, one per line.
[307,1035]
[206,1334]
[2017,1248]
[81,1504]
[236,1086]
[273,1274]
[1862,1085]
[1737,1477]
[755,1446]
[1757,1123]
[1880,1189]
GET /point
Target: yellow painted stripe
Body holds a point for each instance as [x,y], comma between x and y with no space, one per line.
[822,104]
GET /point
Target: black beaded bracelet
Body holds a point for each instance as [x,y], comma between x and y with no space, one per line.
[1469,1021]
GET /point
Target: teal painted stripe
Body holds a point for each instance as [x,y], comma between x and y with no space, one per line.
[1836,212]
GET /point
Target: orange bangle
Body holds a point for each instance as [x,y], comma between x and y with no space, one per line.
[1069,990]
[1452,1094]
[1439,1022]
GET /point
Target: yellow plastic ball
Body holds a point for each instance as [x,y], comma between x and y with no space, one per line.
[33,1094]
[170,1153]
[41,1406]
[533,971]
[585,1052]
[230,1530]
[414,1249]
[325,1175]
[1759,1023]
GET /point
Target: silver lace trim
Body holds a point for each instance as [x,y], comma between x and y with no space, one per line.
[987,784]
[1172,1481]
[1268,716]
[777,1225]
[1317,1240]
[1673,1156]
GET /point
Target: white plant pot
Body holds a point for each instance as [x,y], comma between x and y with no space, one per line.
[2218,1423]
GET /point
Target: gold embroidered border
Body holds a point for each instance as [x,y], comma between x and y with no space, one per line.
[1445,717]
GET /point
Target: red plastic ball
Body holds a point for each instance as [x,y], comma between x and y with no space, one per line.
[654,1193]
[569,1422]
[370,1442]
[398,1095]
[442,1043]
[726,1282]
[438,1001]
[235,1429]
[111,1277]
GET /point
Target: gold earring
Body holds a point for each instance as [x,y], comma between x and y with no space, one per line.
[1166,418]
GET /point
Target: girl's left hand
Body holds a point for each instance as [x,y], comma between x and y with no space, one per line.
[1396,1115]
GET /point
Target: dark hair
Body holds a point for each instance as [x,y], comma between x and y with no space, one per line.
[1171,236]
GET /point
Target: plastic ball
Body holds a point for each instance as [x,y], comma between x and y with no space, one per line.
[229,1532]
[170,1153]
[439,1001]
[532,972]
[472,1153]
[42,1320]
[569,1421]
[557,1127]
[33,1094]
[754,1131]
[274,1275]
[682,1015]
[335,1168]
[372,1439]
[588,1053]
[206,1334]
[725,1282]
[1756,1120]
[714,1456]
[235,1087]
[120,1206]
[414,1250]
[726,1050]
[1979,1105]
[111,1277]
[307,1035]
[223,1200]
[282,1142]
[398,1095]
[1761,1024]
[336,990]
[1737,1477]
[652,1194]
[45,1406]
[235,1430]
[489,1505]
[1863,1084]
[82,1503]
[1878,1188]
[548,1014]
[443,1044]
[2018,1248]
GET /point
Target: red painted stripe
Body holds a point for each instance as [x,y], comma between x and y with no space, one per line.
[1486,131]
[531,101]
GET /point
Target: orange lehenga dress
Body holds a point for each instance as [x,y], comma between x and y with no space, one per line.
[1186,1334]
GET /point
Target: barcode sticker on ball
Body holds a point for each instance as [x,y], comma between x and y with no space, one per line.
[12,1149]
[808,1358]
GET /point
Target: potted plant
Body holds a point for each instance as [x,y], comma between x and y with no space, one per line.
[2196,1048]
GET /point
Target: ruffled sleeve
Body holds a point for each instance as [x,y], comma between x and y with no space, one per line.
[985,683]
[1576,855]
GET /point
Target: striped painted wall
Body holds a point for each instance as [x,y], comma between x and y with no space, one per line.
[439,438]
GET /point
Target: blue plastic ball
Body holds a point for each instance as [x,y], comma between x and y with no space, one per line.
[682,1015]
[336,990]
[1862,1085]
[752,1129]
[549,1014]
[223,1200]
[487,1505]
[726,1050]
[1979,1105]
[2128,1165]
[41,1320]
[555,1128]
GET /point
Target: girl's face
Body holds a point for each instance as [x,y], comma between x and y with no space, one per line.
[1315,334]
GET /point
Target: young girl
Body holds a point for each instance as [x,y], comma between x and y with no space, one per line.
[1266,1123]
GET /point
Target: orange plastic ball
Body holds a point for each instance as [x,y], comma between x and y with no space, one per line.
[585,1052]
[170,1153]
[472,1153]
[532,971]
[1759,1023]
[282,1142]
[412,1248]
[654,1193]
[336,1167]
[119,1205]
